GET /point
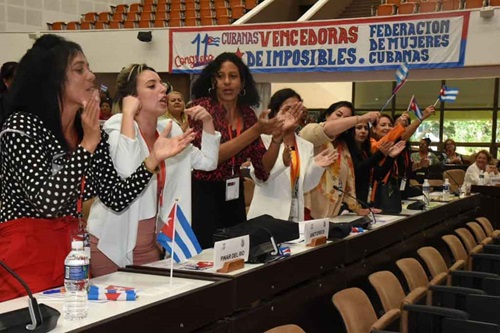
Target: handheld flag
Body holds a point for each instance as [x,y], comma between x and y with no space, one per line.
[413,106]
[177,236]
[401,76]
[448,94]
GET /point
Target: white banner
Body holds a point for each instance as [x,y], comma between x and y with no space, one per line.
[421,41]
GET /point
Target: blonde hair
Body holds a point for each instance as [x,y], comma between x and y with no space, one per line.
[126,84]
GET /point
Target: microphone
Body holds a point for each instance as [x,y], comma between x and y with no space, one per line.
[39,318]
[362,203]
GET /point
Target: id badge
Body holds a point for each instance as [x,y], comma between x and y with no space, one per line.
[403,184]
[294,210]
[232,188]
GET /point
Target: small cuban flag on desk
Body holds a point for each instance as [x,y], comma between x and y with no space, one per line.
[448,94]
[177,236]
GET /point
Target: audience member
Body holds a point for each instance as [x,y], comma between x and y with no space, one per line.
[330,133]
[54,157]
[105,112]
[296,172]
[175,110]
[449,155]
[424,157]
[481,166]
[227,90]
[129,237]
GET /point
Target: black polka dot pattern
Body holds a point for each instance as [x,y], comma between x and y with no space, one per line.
[41,181]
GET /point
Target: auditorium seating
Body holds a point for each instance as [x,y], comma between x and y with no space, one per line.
[488,227]
[474,4]
[386,10]
[428,6]
[163,13]
[494,2]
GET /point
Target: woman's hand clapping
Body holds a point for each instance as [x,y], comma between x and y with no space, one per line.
[90,122]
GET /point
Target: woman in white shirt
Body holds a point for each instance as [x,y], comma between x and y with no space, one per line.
[480,166]
[129,237]
[297,172]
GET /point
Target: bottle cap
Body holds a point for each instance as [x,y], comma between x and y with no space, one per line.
[78,245]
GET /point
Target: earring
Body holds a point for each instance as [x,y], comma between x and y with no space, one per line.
[210,90]
[243,92]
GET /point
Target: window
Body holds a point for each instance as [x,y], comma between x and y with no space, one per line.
[372,95]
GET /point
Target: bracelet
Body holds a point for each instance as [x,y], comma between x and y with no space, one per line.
[276,142]
[154,172]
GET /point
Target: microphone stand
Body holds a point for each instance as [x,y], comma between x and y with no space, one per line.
[362,203]
[35,311]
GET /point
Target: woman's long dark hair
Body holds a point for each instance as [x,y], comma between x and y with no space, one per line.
[7,72]
[40,82]
[204,85]
[356,153]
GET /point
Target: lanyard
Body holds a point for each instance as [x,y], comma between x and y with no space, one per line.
[161,177]
[230,132]
[295,166]
[79,202]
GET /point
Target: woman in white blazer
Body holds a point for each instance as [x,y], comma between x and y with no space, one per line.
[297,172]
[129,237]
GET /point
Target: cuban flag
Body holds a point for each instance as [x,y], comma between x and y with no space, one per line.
[177,237]
[415,109]
[448,94]
[401,76]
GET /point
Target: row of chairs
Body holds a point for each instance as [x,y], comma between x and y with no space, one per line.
[393,7]
[162,14]
[451,300]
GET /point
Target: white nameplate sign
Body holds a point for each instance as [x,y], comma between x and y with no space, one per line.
[231,249]
[315,229]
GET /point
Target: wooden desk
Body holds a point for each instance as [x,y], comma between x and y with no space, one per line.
[490,203]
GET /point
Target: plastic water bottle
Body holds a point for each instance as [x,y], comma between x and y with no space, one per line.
[481,178]
[426,191]
[76,282]
[446,190]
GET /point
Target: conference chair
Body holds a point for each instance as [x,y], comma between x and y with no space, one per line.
[121,8]
[286,329]
[488,227]
[358,314]
[59,25]
[386,9]
[408,8]
[494,2]
[393,2]
[474,4]
[392,296]
[90,17]
[149,7]
[238,11]
[135,8]
[162,7]
[429,6]
[456,178]
[73,25]
[250,4]
[450,4]
[479,233]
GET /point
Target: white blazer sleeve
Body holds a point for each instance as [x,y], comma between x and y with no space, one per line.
[278,167]
[125,152]
[207,157]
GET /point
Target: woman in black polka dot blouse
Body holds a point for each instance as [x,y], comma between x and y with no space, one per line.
[54,140]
